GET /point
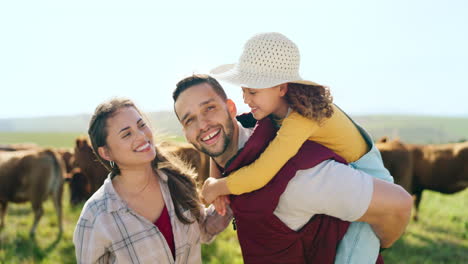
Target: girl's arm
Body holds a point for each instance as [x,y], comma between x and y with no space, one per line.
[295,130]
[213,188]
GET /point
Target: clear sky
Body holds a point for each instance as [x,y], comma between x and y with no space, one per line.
[65,57]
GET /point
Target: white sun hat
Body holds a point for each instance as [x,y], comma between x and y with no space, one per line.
[268,60]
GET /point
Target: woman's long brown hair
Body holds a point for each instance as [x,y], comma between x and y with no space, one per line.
[181,183]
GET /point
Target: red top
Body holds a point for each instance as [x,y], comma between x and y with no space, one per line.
[164,225]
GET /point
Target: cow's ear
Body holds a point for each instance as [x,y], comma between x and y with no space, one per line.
[81,141]
[104,153]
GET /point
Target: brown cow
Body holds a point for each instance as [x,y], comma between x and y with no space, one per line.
[79,187]
[66,154]
[68,158]
[92,170]
[31,175]
[442,168]
[398,159]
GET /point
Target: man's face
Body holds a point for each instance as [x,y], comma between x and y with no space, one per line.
[207,120]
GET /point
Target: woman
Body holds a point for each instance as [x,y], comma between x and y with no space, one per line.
[148,209]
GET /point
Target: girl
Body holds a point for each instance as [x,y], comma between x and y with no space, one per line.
[148,208]
[268,71]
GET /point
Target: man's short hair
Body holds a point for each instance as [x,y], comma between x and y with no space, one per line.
[196,79]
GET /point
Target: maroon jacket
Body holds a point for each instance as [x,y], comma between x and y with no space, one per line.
[263,237]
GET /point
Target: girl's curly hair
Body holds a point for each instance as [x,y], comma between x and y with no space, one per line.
[312,101]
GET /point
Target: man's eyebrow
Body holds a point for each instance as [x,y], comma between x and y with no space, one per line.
[200,104]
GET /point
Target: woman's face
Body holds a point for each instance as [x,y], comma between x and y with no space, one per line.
[129,139]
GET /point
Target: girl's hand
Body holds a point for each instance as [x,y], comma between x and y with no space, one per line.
[220,204]
[213,188]
[209,190]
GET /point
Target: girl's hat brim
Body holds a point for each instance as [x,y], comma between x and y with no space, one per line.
[231,74]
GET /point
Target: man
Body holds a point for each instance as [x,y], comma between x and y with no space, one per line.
[209,121]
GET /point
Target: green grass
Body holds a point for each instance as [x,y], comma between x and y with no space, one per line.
[16,246]
[225,249]
[47,247]
[440,235]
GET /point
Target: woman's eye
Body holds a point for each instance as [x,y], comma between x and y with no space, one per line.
[142,124]
[126,135]
[209,108]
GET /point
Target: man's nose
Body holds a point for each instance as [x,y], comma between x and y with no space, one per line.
[203,123]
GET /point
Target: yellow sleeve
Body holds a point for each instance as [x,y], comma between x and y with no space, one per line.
[295,130]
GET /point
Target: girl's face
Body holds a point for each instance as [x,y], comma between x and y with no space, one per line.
[129,140]
[264,102]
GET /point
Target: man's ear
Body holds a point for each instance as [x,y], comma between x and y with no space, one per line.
[104,153]
[231,108]
[283,89]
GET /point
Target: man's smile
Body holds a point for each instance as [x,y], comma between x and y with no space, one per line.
[211,137]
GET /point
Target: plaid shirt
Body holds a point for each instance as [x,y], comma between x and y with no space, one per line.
[108,231]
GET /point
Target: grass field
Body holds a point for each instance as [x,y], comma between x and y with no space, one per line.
[440,236]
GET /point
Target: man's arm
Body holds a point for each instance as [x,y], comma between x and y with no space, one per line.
[341,191]
[389,211]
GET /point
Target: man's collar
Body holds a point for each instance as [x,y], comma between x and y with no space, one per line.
[244,135]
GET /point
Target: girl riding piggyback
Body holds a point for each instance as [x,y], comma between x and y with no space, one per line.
[268,72]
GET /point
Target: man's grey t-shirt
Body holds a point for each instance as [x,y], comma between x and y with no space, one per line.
[330,188]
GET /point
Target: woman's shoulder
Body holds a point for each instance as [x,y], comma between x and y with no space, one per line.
[103,202]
